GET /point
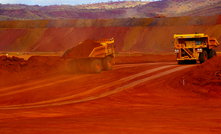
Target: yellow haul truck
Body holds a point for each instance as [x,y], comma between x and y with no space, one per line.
[92,56]
[193,47]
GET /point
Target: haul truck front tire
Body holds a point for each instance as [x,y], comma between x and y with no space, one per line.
[72,66]
[107,63]
[212,54]
[96,66]
[203,56]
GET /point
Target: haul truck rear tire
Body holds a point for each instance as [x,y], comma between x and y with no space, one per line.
[212,53]
[88,66]
[72,66]
[107,63]
[96,66]
[203,56]
[81,64]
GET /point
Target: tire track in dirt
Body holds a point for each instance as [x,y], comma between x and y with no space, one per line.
[48,82]
[67,100]
[28,84]
[38,84]
[142,64]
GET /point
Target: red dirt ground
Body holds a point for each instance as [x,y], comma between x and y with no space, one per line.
[207,76]
[15,70]
[145,58]
[132,98]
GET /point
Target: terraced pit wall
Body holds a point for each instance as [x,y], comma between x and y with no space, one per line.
[150,35]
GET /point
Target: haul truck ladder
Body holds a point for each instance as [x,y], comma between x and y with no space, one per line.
[189,52]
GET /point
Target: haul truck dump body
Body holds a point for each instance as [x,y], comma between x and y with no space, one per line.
[92,56]
[191,48]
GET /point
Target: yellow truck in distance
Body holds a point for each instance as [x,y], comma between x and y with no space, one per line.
[191,48]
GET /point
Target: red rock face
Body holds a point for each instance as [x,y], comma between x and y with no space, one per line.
[8,36]
[152,35]
[218,20]
[143,39]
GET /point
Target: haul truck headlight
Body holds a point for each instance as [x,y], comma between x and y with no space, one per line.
[177,51]
[199,50]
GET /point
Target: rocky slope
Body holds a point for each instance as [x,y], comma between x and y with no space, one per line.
[153,35]
[112,10]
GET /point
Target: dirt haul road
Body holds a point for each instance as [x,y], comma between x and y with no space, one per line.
[132,98]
